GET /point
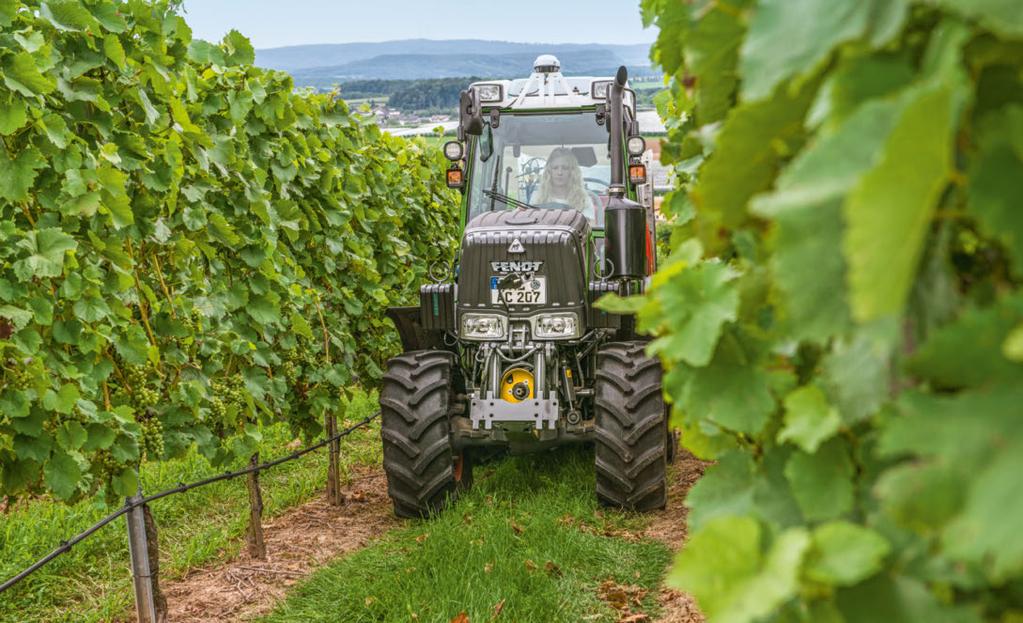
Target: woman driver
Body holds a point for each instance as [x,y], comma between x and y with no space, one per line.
[563,183]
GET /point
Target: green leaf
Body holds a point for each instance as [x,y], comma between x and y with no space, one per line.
[22,75]
[91,309]
[62,401]
[897,599]
[68,15]
[14,403]
[889,211]
[133,345]
[792,37]
[922,496]
[107,15]
[8,9]
[968,352]
[736,397]
[723,568]
[844,553]
[809,419]
[18,317]
[696,303]
[755,139]
[17,176]
[725,489]
[125,483]
[62,475]
[996,180]
[987,532]
[100,437]
[1012,347]
[71,436]
[205,53]
[46,248]
[807,207]
[1001,16]
[114,50]
[300,326]
[822,482]
[264,310]
[13,115]
[856,373]
[239,49]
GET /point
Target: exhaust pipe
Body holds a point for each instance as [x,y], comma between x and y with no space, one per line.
[624,220]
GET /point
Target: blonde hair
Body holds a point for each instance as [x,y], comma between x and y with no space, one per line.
[577,196]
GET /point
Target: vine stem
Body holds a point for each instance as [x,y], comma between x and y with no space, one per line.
[163,286]
[106,396]
[138,287]
[28,213]
[323,325]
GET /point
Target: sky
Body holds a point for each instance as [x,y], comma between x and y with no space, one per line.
[276,23]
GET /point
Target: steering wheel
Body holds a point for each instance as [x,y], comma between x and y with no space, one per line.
[603,186]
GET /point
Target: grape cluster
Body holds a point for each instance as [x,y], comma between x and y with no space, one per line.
[152,438]
[227,392]
[19,377]
[143,396]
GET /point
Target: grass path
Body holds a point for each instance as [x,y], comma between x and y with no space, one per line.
[528,543]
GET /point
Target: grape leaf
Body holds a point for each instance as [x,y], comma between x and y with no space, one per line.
[22,75]
[13,115]
[734,396]
[809,419]
[68,15]
[62,401]
[844,553]
[18,175]
[889,210]
[8,9]
[922,496]
[987,531]
[822,482]
[996,177]
[62,475]
[897,599]
[239,49]
[1001,16]
[725,489]
[204,52]
[792,37]
[723,568]
[967,352]
[46,248]
[697,303]
[754,140]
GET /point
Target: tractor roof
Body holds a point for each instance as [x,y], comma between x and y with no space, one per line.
[547,88]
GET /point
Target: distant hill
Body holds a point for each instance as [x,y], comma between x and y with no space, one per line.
[322,66]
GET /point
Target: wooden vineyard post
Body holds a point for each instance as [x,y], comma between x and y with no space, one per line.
[334,452]
[153,541]
[257,545]
[141,571]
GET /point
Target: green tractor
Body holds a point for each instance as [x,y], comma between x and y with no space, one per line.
[509,352]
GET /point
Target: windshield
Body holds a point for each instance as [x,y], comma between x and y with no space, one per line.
[550,161]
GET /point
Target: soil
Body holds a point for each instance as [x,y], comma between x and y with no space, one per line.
[669,527]
[297,543]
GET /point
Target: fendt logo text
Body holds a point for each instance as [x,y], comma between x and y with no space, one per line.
[516,267]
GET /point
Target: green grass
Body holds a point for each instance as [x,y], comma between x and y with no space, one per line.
[494,544]
[92,582]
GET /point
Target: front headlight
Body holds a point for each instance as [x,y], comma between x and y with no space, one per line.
[483,326]
[555,326]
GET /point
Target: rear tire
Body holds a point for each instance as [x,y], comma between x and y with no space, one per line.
[424,472]
[631,439]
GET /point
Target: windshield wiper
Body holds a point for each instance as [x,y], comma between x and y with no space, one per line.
[494,195]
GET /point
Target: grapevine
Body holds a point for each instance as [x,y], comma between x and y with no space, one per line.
[175,224]
[840,318]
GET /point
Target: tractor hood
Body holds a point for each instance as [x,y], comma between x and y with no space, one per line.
[525,261]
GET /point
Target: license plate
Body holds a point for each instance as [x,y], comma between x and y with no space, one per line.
[527,292]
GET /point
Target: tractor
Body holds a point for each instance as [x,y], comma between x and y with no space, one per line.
[506,352]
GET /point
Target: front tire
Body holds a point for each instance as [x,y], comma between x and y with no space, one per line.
[424,472]
[631,439]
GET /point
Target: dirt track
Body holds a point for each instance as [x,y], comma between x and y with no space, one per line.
[297,543]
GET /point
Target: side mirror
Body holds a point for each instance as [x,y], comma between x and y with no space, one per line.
[486,143]
[470,113]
